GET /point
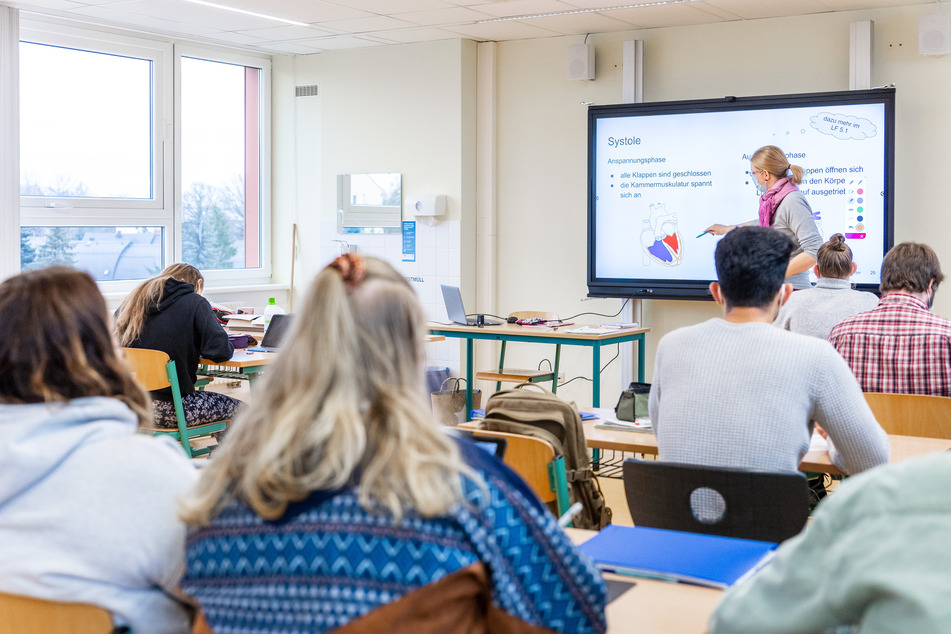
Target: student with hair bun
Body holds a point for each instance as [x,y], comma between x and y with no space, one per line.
[783,207]
[817,310]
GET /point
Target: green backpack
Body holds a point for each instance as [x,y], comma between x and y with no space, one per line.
[538,413]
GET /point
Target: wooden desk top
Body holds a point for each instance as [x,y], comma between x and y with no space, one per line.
[244,359]
[656,606]
[560,332]
[902,447]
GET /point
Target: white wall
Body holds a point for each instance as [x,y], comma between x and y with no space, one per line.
[542,145]
[408,109]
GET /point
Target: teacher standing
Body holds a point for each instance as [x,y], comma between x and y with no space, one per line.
[783,207]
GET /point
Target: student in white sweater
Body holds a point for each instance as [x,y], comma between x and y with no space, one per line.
[88,506]
[816,311]
[737,392]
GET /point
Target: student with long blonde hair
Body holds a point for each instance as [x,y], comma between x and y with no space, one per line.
[87,505]
[339,501]
[168,313]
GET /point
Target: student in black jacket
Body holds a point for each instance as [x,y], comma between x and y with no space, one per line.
[168,313]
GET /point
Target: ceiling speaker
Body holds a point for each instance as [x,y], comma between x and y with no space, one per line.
[934,34]
[581,61]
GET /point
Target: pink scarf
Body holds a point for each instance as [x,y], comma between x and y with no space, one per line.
[769,201]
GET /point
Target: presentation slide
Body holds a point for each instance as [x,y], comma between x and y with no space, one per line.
[660,180]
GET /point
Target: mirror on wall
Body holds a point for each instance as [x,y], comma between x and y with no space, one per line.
[370,203]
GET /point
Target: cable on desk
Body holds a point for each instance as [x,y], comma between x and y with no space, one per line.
[599,314]
[486,315]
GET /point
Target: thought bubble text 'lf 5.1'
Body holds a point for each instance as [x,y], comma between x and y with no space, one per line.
[843,126]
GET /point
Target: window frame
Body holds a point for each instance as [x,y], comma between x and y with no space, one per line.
[165,207]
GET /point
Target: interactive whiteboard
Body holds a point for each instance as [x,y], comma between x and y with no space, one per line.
[661,173]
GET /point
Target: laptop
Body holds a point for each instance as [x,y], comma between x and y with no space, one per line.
[457,312]
[275,333]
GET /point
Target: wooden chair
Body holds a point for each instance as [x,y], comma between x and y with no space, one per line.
[762,505]
[154,370]
[534,461]
[510,375]
[912,414]
[25,615]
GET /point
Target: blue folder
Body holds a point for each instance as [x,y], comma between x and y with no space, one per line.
[706,560]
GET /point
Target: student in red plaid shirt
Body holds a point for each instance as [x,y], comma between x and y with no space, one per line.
[900,346]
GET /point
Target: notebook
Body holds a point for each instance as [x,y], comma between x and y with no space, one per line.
[706,560]
[274,335]
[457,312]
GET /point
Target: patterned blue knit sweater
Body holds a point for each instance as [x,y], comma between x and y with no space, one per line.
[328,561]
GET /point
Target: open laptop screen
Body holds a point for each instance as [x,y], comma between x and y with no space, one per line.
[277,330]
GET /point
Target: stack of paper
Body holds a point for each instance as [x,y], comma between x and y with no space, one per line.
[641,424]
[590,330]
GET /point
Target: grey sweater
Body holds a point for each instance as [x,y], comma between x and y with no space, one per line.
[816,311]
[794,218]
[89,511]
[743,395]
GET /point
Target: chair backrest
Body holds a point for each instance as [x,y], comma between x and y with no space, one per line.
[912,414]
[148,367]
[25,615]
[759,505]
[529,314]
[529,458]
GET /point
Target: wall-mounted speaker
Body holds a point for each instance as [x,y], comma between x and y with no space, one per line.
[934,34]
[581,61]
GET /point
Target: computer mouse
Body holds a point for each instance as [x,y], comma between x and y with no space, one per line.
[512,320]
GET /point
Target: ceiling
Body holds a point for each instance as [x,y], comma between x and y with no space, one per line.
[340,24]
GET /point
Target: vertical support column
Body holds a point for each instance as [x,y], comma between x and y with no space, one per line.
[860,55]
[486,189]
[632,71]
[632,91]
[9,141]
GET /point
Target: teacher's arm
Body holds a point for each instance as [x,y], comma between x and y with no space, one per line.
[719,230]
[800,263]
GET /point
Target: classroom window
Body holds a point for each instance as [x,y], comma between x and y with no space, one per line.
[221,163]
[85,124]
[136,153]
[106,253]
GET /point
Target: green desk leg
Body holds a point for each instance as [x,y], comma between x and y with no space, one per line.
[596,398]
[558,480]
[469,348]
[554,379]
[640,359]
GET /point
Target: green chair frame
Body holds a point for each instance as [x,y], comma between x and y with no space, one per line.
[184,433]
[151,379]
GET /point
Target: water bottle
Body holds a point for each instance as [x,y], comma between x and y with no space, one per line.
[271,309]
